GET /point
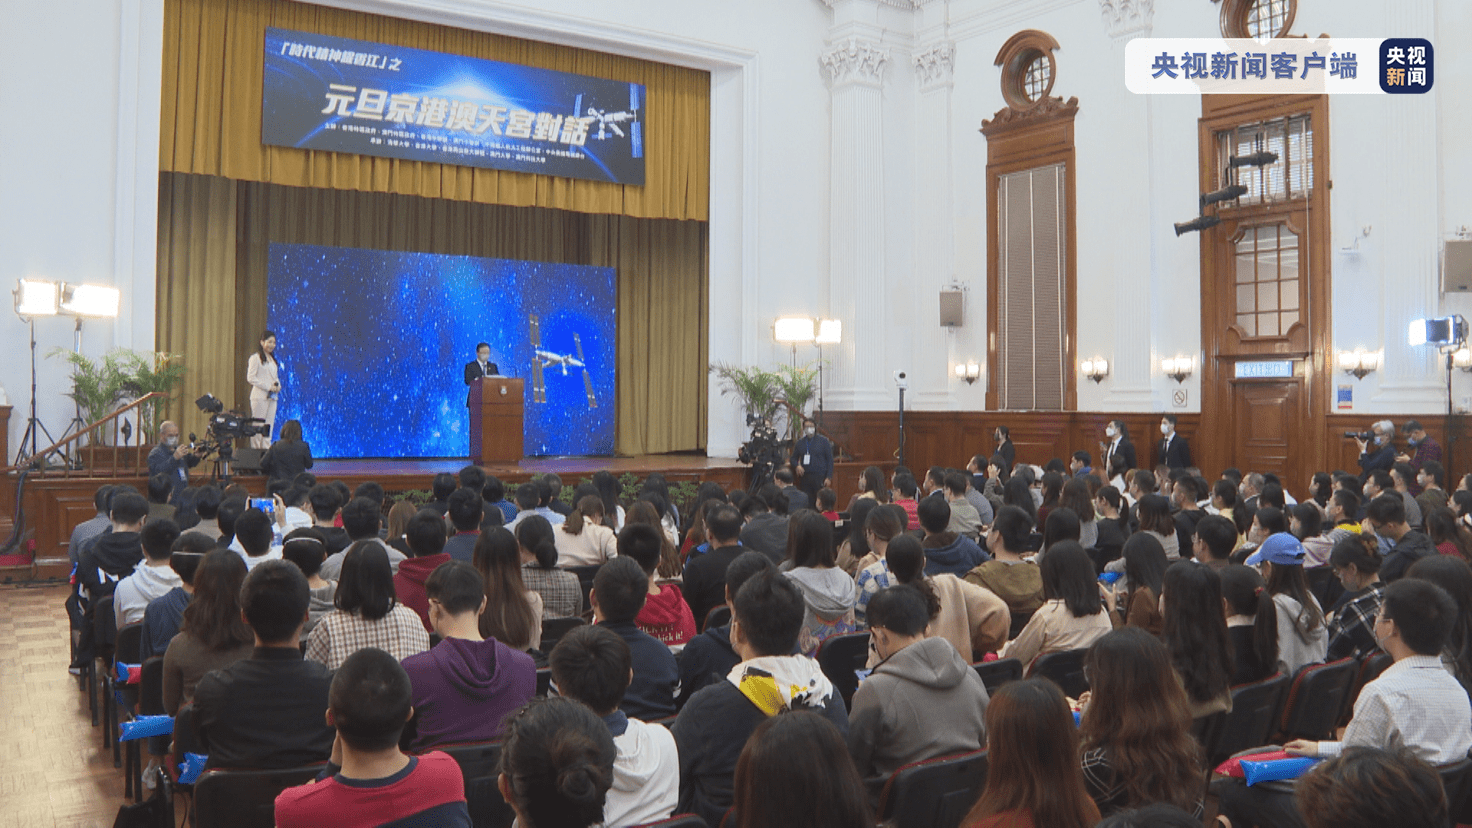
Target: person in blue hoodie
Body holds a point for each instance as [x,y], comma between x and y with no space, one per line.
[946,551]
[766,617]
[709,657]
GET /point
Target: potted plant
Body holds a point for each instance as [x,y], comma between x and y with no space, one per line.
[756,389]
[149,372]
[121,375]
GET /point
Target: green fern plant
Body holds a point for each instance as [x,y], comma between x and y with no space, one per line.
[755,388]
[798,386]
[97,387]
[150,372]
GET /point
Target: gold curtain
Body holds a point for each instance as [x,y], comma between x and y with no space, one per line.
[213,240]
[211,122]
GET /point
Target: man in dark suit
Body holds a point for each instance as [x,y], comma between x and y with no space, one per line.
[812,460]
[482,367]
[1174,452]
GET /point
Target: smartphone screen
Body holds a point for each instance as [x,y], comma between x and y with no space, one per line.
[265,504]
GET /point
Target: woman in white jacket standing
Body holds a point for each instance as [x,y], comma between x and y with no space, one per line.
[263,373]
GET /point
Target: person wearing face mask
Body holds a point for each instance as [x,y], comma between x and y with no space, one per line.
[1117,442]
[171,459]
[1423,450]
[1004,446]
[812,460]
[1379,452]
[1175,452]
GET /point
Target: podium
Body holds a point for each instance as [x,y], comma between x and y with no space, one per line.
[496,409]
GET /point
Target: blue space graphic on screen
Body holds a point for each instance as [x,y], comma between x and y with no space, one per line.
[373,346]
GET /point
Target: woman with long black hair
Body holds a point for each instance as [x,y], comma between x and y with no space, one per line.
[263,372]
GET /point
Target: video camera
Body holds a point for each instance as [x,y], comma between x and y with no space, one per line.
[1366,436]
[763,452]
[225,427]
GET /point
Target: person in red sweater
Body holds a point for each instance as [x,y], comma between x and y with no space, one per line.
[426,537]
[665,616]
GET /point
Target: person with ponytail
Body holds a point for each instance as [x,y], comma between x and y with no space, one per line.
[556,765]
[971,617]
[562,595]
[583,540]
[1356,561]
[1033,773]
[1252,624]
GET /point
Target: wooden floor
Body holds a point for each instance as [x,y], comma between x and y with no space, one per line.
[54,769]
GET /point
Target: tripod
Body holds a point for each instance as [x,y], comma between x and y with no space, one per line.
[29,442]
[77,423]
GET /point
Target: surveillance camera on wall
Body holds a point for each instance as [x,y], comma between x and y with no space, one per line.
[900,380]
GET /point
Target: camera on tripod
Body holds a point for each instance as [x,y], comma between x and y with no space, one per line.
[763,452]
[224,427]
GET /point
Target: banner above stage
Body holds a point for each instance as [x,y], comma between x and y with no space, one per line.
[354,96]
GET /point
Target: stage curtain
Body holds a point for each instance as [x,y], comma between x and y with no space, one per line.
[211,120]
[212,288]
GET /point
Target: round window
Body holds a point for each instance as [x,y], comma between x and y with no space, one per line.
[1268,18]
[1037,77]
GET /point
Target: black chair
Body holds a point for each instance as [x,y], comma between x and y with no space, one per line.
[994,674]
[1456,778]
[245,798]
[1315,698]
[150,703]
[480,766]
[1019,620]
[935,793]
[105,637]
[585,580]
[1250,722]
[839,657]
[553,629]
[717,617]
[123,696]
[544,682]
[676,821]
[1066,669]
[1371,666]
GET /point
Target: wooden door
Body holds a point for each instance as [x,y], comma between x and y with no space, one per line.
[1266,416]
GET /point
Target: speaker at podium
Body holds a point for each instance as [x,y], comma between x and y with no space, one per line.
[496,413]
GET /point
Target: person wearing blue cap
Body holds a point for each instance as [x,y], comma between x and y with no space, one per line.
[1302,636]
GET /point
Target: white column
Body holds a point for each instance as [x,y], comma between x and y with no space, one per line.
[934,226]
[855,68]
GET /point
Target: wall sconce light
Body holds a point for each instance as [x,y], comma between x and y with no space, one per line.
[1462,358]
[968,371]
[1177,368]
[1095,369]
[1359,362]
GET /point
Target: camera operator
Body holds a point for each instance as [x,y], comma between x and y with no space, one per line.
[1378,452]
[173,459]
[812,460]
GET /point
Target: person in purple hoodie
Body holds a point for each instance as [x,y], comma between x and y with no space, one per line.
[465,685]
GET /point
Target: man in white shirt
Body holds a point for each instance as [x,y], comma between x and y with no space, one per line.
[1415,704]
[528,495]
[253,539]
[152,578]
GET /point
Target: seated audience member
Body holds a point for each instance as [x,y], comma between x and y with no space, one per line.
[966,520]
[398,525]
[648,510]
[152,578]
[1368,787]
[704,585]
[828,592]
[231,508]
[493,492]
[162,617]
[1033,774]
[1415,704]
[1113,527]
[532,500]
[266,711]
[207,506]
[708,658]
[1386,517]
[113,555]
[796,498]
[1214,540]
[557,765]
[665,615]
[90,528]
[425,534]
[1144,570]
[716,723]
[592,665]
[1159,815]
[828,501]
[361,519]
[793,773]
[619,591]
[1195,635]
[1454,576]
[854,551]
[765,530]
[1137,744]
[880,528]
[323,502]
[946,551]
[1252,624]
[1078,499]
[905,490]
[1061,524]
[923,700]
[298,513]
[562,594]
[367,614]
[1153,511]
[1016,581]
[513,615]
[1302,637]
[441,486]
[160,490]
[1072,615]
[466,510]
[212,634]
[583,540]
[1351,623]
[306,549]
[253,536]
[971,618]
[466,685]
[369,781]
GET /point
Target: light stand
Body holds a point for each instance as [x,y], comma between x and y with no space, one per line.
[77,423]
[34,426]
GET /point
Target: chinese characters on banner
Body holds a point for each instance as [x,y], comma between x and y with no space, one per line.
[1285,66]
[345,95]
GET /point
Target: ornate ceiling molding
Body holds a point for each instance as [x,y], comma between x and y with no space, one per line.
[855,60]
[935,65]
[1127,18]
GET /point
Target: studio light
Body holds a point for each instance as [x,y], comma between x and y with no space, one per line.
[1262,158]
[1439,331]
[794,329]
[36,297]
[830,332]
[1197,224]
[1231,192]
[101,301]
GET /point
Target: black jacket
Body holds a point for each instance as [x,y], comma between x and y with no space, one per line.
[286,459]
[651,694]
[706,659]
[265,711]
[1177,455]
[107,561]
[473,372]
[1412,547]
[705,580]
[766,533]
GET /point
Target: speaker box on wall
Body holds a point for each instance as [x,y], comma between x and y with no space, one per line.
[952,313]
[1456,267]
